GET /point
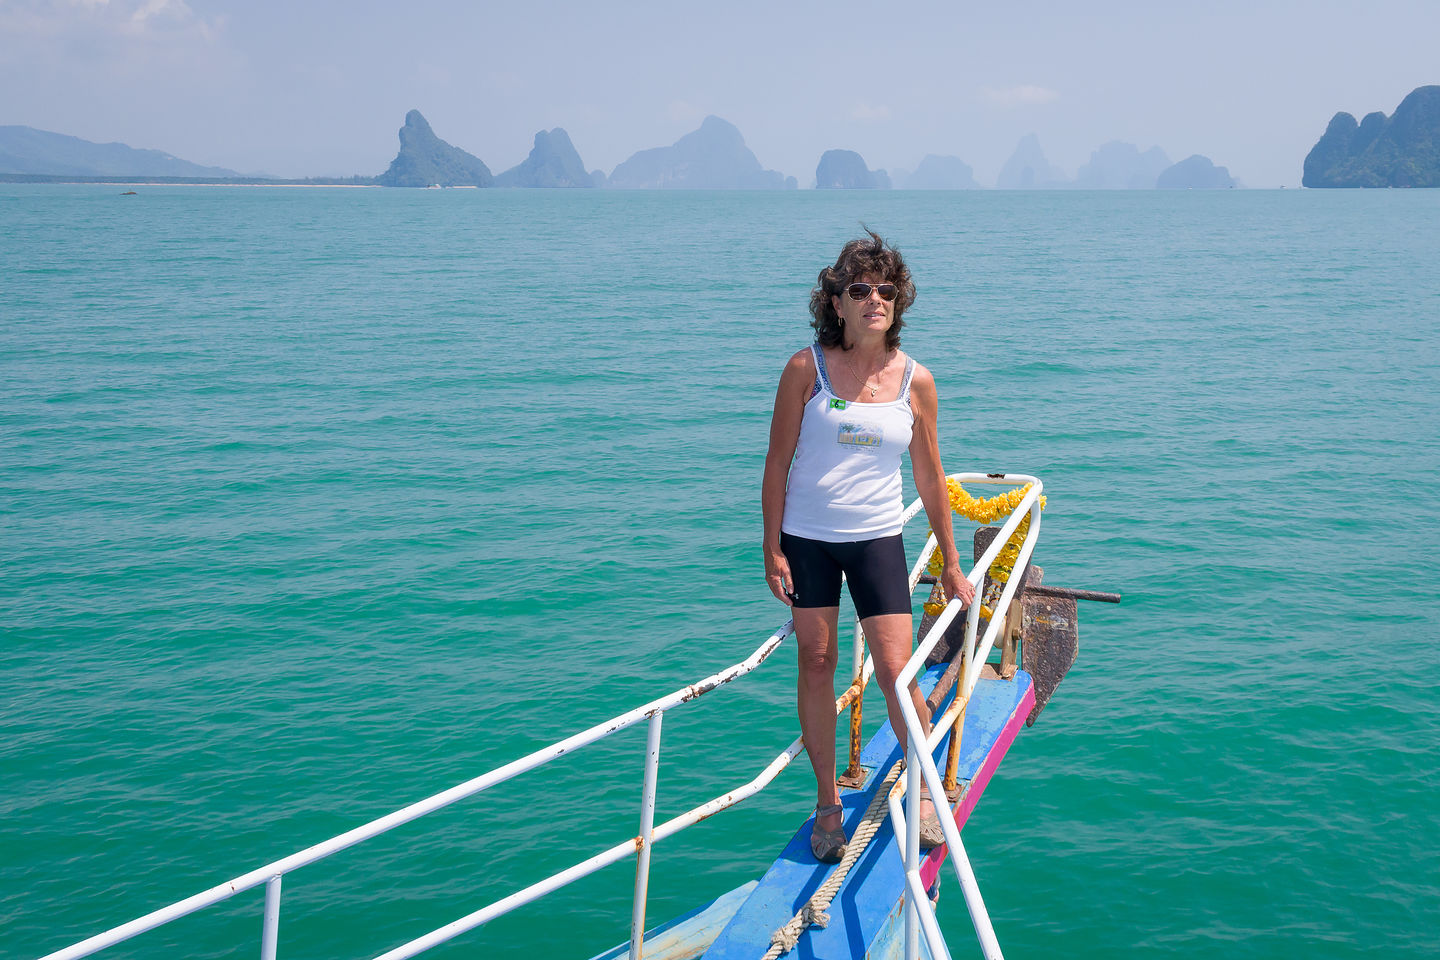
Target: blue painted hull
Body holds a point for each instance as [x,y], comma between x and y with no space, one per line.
[866,913]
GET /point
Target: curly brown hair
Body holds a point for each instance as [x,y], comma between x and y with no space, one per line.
[871,255]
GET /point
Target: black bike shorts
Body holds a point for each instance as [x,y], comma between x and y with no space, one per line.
[876,571]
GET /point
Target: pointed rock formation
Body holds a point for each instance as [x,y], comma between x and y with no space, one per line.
[713,157]
[425,159]
[1195,173]
[1402,150]
[553,162]
[846,170]
[1332,151]
[1028,169]
[1121,166]
[941,173]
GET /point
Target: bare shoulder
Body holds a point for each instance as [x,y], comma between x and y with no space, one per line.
[796,380]
[922,382]
[800,368]
[801,361]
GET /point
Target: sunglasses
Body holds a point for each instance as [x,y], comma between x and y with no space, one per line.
[861,291]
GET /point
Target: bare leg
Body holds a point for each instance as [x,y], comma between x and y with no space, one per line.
[889,637]
[815,636]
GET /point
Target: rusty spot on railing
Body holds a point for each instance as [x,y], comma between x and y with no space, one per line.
[952,758]
[700,689]
[729,801]
[856,688]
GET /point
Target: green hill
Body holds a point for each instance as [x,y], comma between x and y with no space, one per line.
[25,150]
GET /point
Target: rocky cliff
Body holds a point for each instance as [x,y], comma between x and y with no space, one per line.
[846,170]
[1402,150]
[553,162]
[425,159]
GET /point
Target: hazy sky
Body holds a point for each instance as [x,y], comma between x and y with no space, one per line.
[320,88]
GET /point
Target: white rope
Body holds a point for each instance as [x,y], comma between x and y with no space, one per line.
[783,940]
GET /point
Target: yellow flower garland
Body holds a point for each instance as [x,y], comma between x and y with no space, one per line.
[985,511]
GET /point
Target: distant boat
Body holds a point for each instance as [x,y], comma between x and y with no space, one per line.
[433,186]
[128,193]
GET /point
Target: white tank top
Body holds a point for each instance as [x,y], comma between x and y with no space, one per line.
[845,481]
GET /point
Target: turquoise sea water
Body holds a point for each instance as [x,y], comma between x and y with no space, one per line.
[316,502]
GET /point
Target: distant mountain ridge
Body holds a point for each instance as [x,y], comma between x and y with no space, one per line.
[424,159]
[714,157]
[1402,150]
[1121,166]
[26,150]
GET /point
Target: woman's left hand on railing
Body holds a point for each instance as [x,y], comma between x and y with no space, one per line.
[954,584]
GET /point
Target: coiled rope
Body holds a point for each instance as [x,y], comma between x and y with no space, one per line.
[783,940]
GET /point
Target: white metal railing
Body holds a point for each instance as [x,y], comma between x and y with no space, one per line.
[919,915]
[272,873]
[906,830]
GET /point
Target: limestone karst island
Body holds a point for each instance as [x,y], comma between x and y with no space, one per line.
[1400,150]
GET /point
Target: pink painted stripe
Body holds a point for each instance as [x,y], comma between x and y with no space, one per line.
[930,866]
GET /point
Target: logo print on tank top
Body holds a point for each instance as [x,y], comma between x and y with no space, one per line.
[860,434]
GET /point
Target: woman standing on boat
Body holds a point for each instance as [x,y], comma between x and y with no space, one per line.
[847,409]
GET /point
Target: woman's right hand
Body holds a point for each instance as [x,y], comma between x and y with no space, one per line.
[777,576]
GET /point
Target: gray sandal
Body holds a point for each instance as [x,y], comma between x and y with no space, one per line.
[828,846]
[931,833]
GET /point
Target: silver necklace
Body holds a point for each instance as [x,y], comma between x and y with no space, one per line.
[865,381]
